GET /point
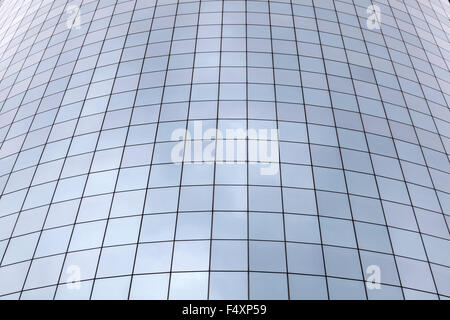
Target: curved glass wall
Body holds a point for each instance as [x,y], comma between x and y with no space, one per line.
[162,149]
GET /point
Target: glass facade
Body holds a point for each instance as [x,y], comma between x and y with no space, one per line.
[119,180]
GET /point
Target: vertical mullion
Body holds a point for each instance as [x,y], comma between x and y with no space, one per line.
[279,151]
[340,155]
[247,153]
[309,150]
[153,147]
[216,144]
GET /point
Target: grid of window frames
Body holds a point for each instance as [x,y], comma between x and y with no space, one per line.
[91,91]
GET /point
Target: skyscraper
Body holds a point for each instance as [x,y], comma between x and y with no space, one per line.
[162,149]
